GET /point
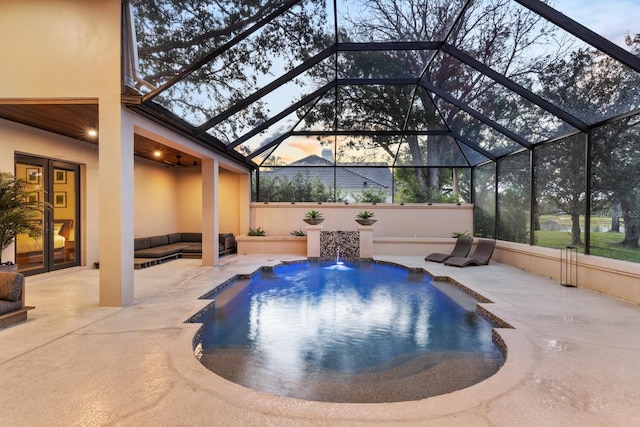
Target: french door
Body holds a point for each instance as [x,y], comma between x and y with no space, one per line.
[57,183]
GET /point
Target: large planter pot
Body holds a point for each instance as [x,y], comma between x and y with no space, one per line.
[367,221]
[313,221]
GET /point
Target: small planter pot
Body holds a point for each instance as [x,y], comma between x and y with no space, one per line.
[313,221]
[367,221]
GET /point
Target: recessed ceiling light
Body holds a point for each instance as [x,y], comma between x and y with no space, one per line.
[92,133]
[157,153]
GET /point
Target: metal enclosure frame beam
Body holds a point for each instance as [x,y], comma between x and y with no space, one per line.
[583,33]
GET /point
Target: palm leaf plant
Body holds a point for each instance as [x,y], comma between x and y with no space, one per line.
[364,215]
[20,211]
[313,214]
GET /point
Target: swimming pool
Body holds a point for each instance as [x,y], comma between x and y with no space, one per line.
[347,333]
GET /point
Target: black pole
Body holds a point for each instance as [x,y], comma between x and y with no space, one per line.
[588,148]
[495,216]
[532,200]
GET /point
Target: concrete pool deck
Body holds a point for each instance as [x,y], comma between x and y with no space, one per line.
[574,357]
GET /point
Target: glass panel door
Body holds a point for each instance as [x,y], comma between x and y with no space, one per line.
[56,184]
[63,229]
[30,251]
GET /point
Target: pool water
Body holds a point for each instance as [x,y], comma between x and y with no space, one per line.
[347,333]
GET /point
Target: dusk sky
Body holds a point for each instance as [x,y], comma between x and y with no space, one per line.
[612,19]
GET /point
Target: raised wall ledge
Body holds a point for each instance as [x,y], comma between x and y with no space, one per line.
[616,278]
[294,245]
[271,238]
[393,219]
[415,240]
[360,206]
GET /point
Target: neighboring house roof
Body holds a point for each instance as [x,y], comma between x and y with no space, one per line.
[347,178]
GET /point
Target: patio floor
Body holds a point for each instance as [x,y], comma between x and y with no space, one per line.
[573,357]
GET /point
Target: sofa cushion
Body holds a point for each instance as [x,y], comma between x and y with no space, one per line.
[9,306]
[168,245]
[174,237]
[158,240]
[191,237]
[193,248]
[177,246]
[141,243]
[157,252]
[11,286]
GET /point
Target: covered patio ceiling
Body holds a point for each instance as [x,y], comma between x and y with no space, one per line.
[78,119]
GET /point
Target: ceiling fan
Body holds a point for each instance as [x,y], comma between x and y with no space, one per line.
[177,164]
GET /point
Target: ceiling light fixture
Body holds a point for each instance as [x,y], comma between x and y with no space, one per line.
[157,153]
[92,133]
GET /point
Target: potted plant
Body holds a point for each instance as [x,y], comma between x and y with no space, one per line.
[459,234]
[256,232]
[365,218]
[313,217]
[19,213]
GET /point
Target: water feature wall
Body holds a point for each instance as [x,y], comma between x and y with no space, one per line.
[344,245]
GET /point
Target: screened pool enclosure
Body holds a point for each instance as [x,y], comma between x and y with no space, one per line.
[528,109]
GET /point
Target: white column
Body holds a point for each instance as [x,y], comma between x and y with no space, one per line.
[116,210]
[244,210]
[366,241]
[210,205]
[313,240]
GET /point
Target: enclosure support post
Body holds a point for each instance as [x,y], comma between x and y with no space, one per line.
[587,197]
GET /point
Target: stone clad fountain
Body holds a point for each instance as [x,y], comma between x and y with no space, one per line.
[348,245]
[340,245]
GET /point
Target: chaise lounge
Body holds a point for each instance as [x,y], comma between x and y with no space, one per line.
[480,256]
[460,250]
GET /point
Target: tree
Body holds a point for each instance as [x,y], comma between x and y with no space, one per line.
[485,200]
[408,189]
[371,195]
[297,189]
[616,172]
[493,32]
[560,179]
[596,87]
[173,34]
[514,201]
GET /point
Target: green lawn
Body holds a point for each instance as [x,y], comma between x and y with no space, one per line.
[565,220]
[602,244]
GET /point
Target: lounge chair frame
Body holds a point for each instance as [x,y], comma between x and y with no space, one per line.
[461,249]
[480,256]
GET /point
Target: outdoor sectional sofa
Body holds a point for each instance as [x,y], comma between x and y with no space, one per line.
[12,308]
[156,249]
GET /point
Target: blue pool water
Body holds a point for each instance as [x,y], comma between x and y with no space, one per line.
[331,332]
